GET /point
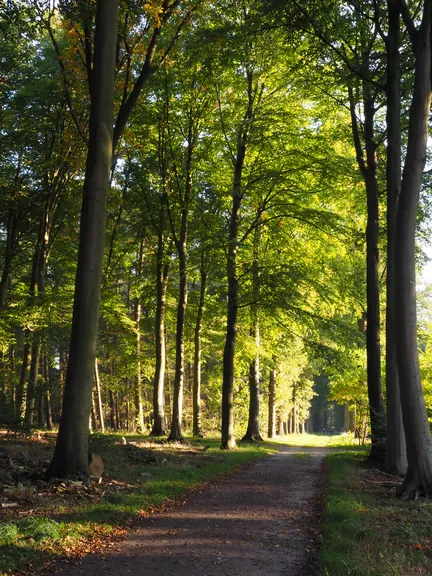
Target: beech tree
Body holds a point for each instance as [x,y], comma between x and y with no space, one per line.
[71,452]
[418,479]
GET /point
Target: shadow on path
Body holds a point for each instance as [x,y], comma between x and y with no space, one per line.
[264,520]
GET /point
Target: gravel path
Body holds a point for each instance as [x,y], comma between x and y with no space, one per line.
[264,520]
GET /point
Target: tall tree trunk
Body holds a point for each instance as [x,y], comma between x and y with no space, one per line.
[228,439]
[176,422]
[11,236]
[368,169]
[418,479]
[396,445]
[25,367]
[159,379]
[99,396]
[117,410]
[197,355]
[181,245]
[94,422]
[71,451]
[272,404]
[253,430]
[376,402]
[138,388]
[32,382]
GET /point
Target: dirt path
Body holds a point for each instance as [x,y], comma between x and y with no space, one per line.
[263,520]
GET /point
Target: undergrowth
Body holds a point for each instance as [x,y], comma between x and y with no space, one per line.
[367,531]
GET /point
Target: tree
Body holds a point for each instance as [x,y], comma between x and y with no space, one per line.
[396,444]
[71,452]
[418,479]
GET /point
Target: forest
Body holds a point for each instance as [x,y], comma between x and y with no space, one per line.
[212,216]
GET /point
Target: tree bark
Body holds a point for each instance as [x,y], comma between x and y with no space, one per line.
[181,245]
[11,236]
[272,404]
[176,434]
[71,451]
[418,480]
[94,422]
[228,440]
[25,366]
[32,382]
[197,356]
[396,445]
[368,169]
[99,397]
[253,428]
[138,388]
[161,304]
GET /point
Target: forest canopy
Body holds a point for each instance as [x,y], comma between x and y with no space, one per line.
[209,219]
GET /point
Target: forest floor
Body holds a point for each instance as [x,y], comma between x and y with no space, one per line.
[262,520]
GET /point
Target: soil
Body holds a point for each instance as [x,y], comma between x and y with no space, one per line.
[263,520]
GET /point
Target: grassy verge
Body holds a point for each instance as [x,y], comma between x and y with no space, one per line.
[49,520]
[367,532]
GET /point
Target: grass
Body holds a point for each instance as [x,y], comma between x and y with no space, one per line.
[300,455]
[345,441]
[367,532]
[62,519]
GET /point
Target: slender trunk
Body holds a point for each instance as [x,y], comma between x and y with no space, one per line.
[176,422]
[94,423]
[253,429]
[71,451]
[396,445]
[30,358]
[181,245]
[117,410]
[376,402]
[228,439]
[272,404]
[33,381]
[294,415]
[11,237]
[138,389]
[159,379]
[197,357]
[99,396]
[25,367]
[368,168]
[418,479]
[11,357]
